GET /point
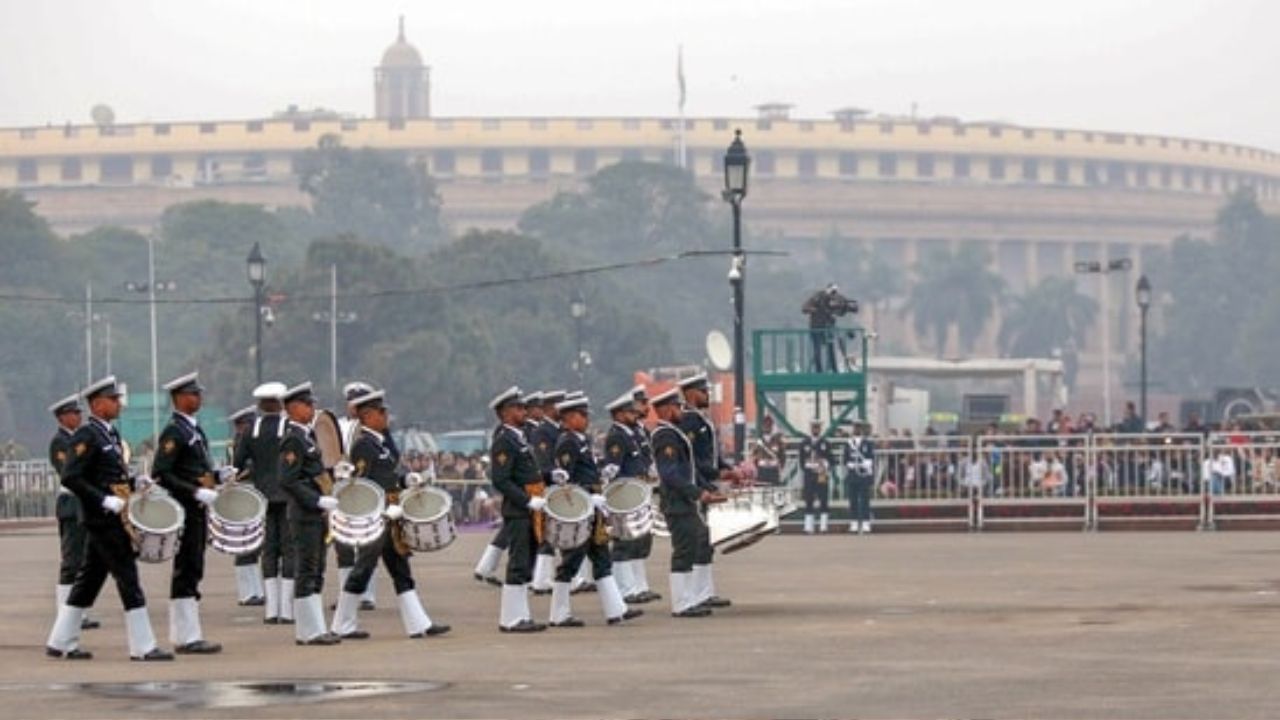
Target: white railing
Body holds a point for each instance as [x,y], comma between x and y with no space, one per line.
[1242,476]
[28,488]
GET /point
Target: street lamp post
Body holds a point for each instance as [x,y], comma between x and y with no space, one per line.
[1095,267]
[150,287]
[257,270]
[578,310]
[737,164]
[1143,292]
[333,316]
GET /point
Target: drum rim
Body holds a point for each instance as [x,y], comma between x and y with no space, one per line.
[445,511]
[258,517]
[177,525]
[620,482]
[571,489]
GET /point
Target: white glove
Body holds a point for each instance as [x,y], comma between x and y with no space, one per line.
[327,503]
[142,483]
[206,496]
[559,476]
[393,512]
[536,503]
[227,473]
[343,470]
[610,472]
[866,467]
[601,504]
[414,480]
[112,504]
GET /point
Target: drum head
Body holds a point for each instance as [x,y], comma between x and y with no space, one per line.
[626,495]
[569,504]
[156,514]
[238,504]
[359,498]
[426,505]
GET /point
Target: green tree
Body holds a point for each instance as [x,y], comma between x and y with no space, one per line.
[954,290]
[1052,317]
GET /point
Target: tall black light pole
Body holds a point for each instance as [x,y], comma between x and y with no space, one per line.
[257,268]
[578,310]
[737,163]
[1144,304]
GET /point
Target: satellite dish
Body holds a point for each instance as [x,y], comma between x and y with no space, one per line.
[719,352]
[103,115]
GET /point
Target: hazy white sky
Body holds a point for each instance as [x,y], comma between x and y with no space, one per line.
[1185,67]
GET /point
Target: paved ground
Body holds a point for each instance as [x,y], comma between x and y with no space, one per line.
[1124,625]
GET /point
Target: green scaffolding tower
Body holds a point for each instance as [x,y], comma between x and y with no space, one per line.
[783,362]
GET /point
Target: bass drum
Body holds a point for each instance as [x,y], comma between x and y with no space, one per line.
[358,520]
[428,519]
[237,520]
[157,525]
[329,439]
[569,515]
[630,508]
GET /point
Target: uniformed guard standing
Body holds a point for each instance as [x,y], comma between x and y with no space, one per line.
[97,474]
[626,456]
[183,467]
[544,440]
[249,587]
[815,457]
[377,459]
[300,472]
[514,473]
[71,533]
[259,452]
[859,460]
[486,569]
[349,424]
[710,468]
[576,464]
[681,494]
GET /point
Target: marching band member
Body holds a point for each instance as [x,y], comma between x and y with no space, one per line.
[859,458]
[72,538]
[544,444]
[576,464]
[815,460]
[681,493]
[183,467]
[710,468]
[258,451]
[300,470]
[377,459]
[643,547]
[349,425]
[514,473]
[249,586]
[486,569]
[622,452]
[96,472]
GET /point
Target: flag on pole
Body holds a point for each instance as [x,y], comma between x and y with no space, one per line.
[680,74]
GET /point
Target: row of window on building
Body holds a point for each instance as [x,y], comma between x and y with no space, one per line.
[537,163]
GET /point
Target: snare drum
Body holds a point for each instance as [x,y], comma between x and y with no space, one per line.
[357,521]
[569,515]
[428,518]
[237,520]
[157,523]
[630,508]
[742,520]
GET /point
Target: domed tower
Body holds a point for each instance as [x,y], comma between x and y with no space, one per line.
[402,84]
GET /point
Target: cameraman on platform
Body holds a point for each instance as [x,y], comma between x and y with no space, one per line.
[823,309]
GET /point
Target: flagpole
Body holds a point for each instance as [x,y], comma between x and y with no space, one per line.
[682,153]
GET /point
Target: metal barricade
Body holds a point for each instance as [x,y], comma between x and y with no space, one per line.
[1241,477]
[28,489]
[1147,478]
[924,482]
[1033,479]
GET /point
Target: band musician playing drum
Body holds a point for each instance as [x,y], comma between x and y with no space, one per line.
[96,472]
[627,454]
[377,459]
[71,534]
[681,494]
[710,468]
[575,464]
[514,473]
[258,451]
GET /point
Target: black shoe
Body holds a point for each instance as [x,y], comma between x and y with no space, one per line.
[254,602]
[493,581]
[630,614]
[368,605]
[584,588]
[355,635]
[271,621]
[72,654]
[540,591]
[635,599]
[695,611]
[89,624]
[435,629]
[715,601]
[324,639]
[524,626]
[570,621]
[285,621]
[156,655]
[651,596]
[199,647]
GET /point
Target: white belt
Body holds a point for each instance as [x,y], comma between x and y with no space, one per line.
[64,491]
